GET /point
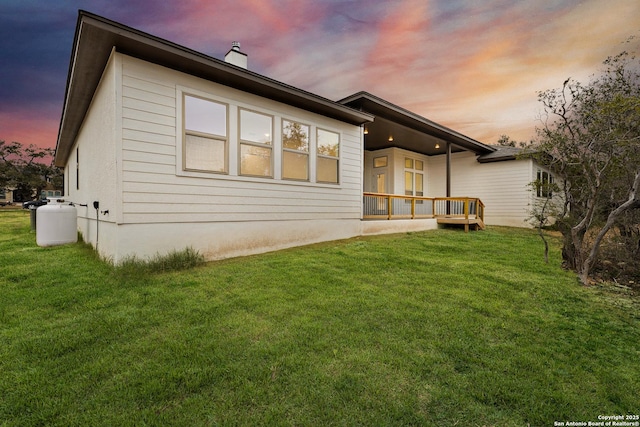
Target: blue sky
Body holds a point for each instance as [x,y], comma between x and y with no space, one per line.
[475,66]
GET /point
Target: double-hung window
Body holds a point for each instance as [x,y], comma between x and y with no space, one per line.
[295,151]
[205,135]
[545,184]
[256,132]
[328,155]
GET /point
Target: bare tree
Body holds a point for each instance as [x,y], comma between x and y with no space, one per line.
[590,139]
[545,209]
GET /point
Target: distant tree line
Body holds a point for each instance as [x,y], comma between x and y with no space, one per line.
[27,170]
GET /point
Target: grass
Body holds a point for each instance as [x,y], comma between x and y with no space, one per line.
[435,328]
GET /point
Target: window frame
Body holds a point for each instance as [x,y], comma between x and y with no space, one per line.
[381,161]
[232,141]
[544,178]
[77,168]
[213,137]
[416,168]
[306,153]
[320,156]
[263,145]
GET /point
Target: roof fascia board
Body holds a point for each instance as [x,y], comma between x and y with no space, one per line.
[224,67]
[130,41]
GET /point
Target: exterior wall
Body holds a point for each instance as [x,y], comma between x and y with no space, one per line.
[502,186]
[397,226]
[394,171]
[97,157]
[160,207]
[6,196]
[218,240]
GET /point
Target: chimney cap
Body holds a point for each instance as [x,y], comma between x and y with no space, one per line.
[235,57]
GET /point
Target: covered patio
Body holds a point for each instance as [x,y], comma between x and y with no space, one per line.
[405,158]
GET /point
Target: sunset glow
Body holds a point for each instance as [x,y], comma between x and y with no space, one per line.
[473,66]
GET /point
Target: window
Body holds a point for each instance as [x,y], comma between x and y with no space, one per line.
[295,150]
[77,168]
[408,183]
[544,184]
[205,135]
[419,185]
[256,132]
[413,177]
[380,162]
[328,156]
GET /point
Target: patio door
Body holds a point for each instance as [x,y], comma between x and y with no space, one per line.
[380,180]
[380,186]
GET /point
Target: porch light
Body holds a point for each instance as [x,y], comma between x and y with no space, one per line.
[390,138]
[437,146]
[366,131]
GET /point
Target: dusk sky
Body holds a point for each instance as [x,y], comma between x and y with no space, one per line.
[472,65]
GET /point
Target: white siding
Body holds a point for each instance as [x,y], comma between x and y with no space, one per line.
[156,190]
[130,147]
[97,156]
[502,186]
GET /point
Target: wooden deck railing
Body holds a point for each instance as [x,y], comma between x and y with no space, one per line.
[396,206]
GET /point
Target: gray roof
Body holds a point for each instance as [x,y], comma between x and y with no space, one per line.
[502,153]
[96,37]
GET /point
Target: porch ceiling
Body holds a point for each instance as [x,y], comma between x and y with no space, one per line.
[408,130]
[380,130]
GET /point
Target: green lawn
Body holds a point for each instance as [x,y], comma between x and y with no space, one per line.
[440,328]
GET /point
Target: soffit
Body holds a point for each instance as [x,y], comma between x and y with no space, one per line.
[409,130]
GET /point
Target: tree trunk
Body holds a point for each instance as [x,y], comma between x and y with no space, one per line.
[632,203]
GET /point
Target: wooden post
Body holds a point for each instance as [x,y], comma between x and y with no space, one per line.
[448,160]
[389,206]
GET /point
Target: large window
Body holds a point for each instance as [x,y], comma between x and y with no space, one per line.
[328,156]
[413,177]
[295,151]
[545,184]
[205,135]
[256,132]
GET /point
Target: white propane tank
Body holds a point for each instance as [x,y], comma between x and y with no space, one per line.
[56,224]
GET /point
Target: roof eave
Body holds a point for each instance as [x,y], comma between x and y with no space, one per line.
[378,106]
[101,36]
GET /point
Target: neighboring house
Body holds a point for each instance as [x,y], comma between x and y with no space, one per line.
[6,196]
[164,148]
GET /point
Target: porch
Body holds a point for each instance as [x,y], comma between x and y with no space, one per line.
[466,211]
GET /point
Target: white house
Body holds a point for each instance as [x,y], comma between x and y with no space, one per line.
[165,148]
[6,196]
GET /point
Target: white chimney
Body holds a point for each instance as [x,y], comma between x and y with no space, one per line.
[235,57]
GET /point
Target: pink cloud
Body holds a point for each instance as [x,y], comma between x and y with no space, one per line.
[29,128]
[473,66]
